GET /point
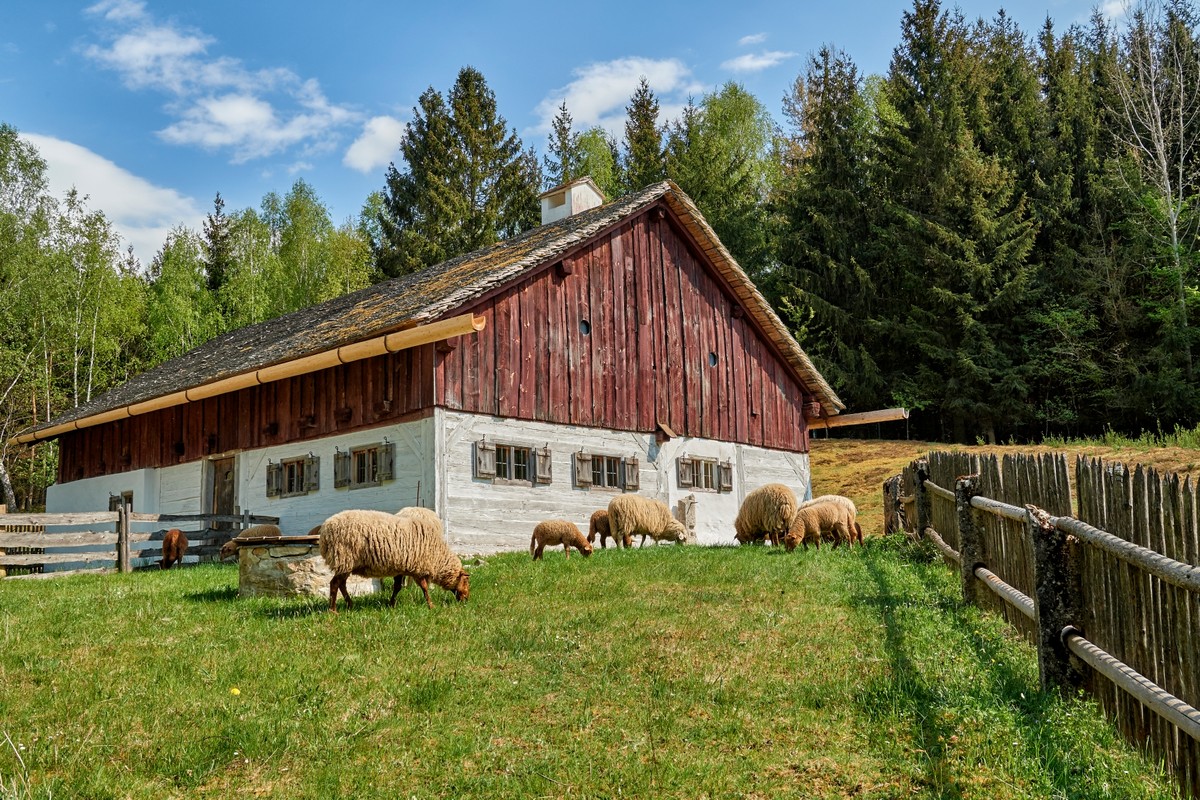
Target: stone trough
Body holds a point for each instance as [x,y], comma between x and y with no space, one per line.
[285,566]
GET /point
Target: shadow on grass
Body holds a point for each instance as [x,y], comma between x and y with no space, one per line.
[222,594]
[910,696]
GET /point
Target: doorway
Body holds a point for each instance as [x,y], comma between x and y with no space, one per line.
[223,499]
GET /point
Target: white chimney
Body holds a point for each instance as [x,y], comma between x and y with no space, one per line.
[570,198]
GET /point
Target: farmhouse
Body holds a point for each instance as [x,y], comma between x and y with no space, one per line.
[615,348]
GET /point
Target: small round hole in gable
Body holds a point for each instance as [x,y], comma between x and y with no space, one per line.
[712,359]
[585,327]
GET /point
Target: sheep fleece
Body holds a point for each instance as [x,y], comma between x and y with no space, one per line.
[375,544]
[855,530]
[631,514]
[811,521]
[766,510]
[558,531]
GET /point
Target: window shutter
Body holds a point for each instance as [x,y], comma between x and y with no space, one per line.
[583,470]
[312,473]
[687,472]
[274,480]
[632,478]
[341,469]
[543,472]
[387,461]
[726,476]
[485,460]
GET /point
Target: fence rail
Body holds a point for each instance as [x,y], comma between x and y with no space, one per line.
[1110,595]
[37,546]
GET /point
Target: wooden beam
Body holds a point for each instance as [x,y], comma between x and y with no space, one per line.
[861,418]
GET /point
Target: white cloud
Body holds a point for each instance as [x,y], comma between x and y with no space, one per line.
[599,93]
[216,101]
[139,211]
[755,38]
[376,146]
[757,62]
[1114,10]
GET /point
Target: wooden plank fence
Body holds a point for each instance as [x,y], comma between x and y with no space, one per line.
[1106,588]
[54,545]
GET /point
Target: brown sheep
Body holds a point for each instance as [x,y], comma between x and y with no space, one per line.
[230,548]
[848,504]
[174,547]
[598,525]
[814,520]
[558,531]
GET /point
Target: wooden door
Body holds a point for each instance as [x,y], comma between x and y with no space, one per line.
[224,490]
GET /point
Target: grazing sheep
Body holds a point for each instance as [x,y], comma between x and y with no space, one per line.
[558,531]
[230,548]
[765,513]
[421,516]
[631,514]
[375,544]
[815,520]
[846,503]
[598,524]
[173,547]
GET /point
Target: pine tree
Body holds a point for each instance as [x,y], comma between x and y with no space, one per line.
[560,163]
[468,183]
[644,163]
[217,254]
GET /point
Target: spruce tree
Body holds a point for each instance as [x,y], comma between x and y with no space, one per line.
[644,163]
[466,184]
[562,156]
[217,252]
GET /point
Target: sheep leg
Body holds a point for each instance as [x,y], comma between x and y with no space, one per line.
[537,554]
[424,584]
[335,583]
[397,585]
[566,550]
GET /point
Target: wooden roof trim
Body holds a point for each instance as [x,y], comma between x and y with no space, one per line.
[388,343]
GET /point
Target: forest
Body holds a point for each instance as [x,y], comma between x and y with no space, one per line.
[1000,233]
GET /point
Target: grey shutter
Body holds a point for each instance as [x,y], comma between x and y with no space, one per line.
[632,478]
[387,462]
[583,470]
[687,472]
[542,473]
[725,477]
[485,460]
[274,479]
[312,473]
[341,469]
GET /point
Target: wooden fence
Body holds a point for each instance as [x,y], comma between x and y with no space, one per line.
[1106,588]
[53,545]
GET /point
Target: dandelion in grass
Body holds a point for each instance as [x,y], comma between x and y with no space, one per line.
[235,691]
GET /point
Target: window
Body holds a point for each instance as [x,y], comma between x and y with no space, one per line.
[705,474]
[365,465]
[606,472]
[115,501]
[512,463]
[292,477]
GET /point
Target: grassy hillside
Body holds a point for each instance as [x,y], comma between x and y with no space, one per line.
[679,672]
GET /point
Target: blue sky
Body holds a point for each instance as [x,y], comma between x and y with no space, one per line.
[151,108]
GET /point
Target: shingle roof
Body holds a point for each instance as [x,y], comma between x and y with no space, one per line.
[430,295]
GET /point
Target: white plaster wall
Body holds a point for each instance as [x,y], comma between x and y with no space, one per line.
[483,517]
[413,484]
[92,494]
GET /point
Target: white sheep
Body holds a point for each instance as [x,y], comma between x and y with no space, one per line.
[765,513]
[815,520]
[375,544]
[846,503]
[230,548]
[558,531]
[631,514]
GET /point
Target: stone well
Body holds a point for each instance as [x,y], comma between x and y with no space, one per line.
[287,566]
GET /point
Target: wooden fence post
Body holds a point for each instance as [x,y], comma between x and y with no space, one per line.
[924,507]
[123,538]
[1056,600]
[3,552]
[970,544]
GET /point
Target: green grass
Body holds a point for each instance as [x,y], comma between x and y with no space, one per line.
[1181,437]
[667,672]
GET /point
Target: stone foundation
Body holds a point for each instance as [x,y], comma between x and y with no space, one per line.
[287,569]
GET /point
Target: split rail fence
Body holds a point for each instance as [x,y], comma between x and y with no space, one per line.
[1106,588]
[53,545]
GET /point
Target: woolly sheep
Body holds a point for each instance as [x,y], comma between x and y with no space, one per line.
[598,525]
[631,514]
[230,548]
[816,520]
[173,548]
[421,516]
[558,531]
[766,512]
[846,503]
[375,544]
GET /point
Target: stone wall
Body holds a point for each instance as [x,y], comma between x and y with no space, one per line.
[285,570]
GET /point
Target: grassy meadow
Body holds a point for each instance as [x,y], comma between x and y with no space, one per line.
[667,672]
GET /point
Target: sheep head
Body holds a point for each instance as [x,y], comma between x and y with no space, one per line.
[462,588]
